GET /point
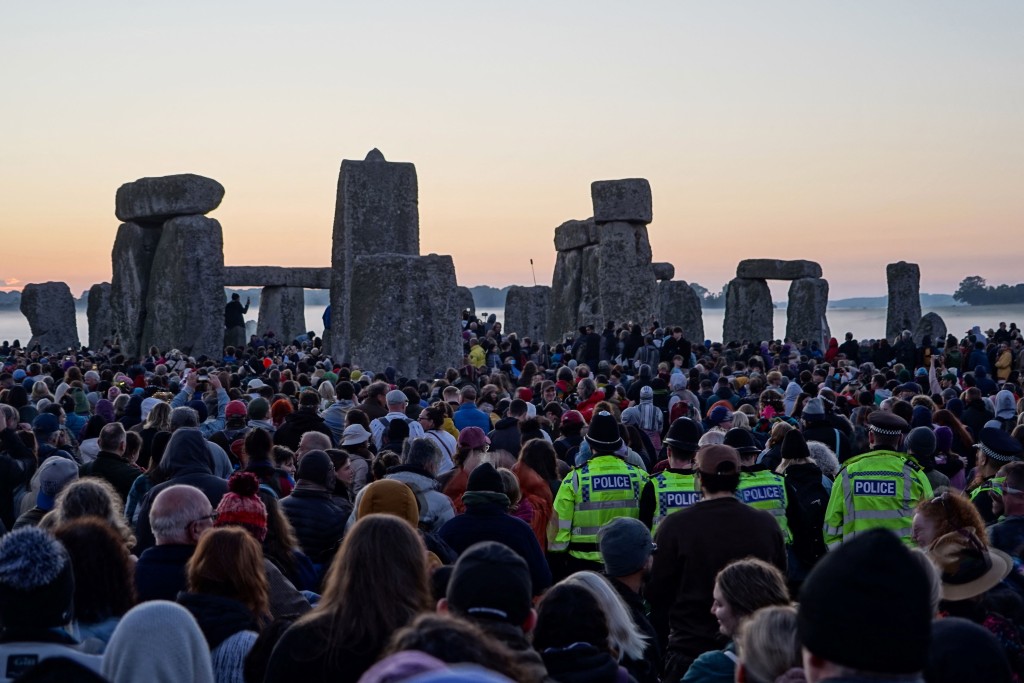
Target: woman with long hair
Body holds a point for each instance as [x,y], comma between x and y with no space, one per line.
[377,583]
[537,473]
[432,421]
[158,420]
[104,576]
[963,442]
[228,596]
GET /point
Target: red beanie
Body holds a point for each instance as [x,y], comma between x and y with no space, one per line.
[241,506]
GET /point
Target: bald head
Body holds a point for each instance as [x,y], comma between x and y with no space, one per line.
[312,441]
[177,514]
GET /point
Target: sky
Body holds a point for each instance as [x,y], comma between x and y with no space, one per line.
[852,134]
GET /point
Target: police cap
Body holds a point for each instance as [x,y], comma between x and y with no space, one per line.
[742,440]
[888,424]
[683,435]
[999,445]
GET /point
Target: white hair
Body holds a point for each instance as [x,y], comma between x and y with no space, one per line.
[624,638]
[824,457]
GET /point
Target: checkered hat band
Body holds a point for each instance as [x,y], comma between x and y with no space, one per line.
[992,454]
[886,432]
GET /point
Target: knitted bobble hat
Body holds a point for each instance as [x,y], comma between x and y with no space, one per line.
[242,506]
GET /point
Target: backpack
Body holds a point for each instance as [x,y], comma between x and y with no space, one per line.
[680,408]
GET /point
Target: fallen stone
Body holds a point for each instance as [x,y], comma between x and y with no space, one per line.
[904,309]
[805,312]
[50,310]
[466,302]
[100,315]
[575,235]
[679,305]
[153,200]
[376,212]
[185,303]
[663,271]
[388,308]
[282,311]
[526,311]
[748,311]
[277,276]
[626,200]
[930,325]
[131,262]
[777,269]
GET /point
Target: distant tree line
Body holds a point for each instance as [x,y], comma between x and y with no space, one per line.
[709,299]
[975,291]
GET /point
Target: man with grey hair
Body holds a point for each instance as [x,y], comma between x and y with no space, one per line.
[397,402]
[312,441]
[179,516]
[110,463]
[420,459]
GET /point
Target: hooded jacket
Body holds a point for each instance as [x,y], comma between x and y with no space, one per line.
[298,423]
[318,522]
[435,507]
[188,461]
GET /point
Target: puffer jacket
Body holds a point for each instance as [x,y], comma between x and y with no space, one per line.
[319,523]
[435,507]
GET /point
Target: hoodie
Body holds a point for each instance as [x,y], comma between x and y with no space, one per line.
[435,507]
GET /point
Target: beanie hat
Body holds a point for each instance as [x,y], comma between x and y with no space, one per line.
[241,506]
[53,475]
[259,408]
[718,415]
[485,478]
[625,545]
[921,417]
[316,466]
[794,446]
[943,439]
[603,435]
[235,408]
[814,409]
[921,442]
[37,586]
[646,393]
[45,424]
[200,408]
[389,497]
[879,625]
[482,567]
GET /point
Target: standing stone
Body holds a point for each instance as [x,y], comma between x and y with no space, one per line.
[904,298]
[679,305]
[805,313]
[185,303]
[154,200]
[930,324]
[748,311]
[466,302]
[406,314]
[589,308]
[131,262]
[50,309]
[526,311]
[626,200]
[776,269]
[625,279]
[283,312]
[100,315]
[376,212]
[564,300]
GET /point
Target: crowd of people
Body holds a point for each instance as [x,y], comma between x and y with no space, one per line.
[626,505]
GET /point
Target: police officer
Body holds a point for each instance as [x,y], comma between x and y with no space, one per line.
[676,487]
[878,489]
[760,488]
[995,449]
[602,489]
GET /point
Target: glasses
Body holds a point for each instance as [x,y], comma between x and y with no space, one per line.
[424,417]
[212,517]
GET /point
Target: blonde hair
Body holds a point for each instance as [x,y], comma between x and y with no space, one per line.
[767,643]
[624,638]
[89,497]
[712,438]
[510,482]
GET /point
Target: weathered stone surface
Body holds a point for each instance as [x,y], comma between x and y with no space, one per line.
[376,212]
[805,313]
[466,302]
[564,300]
[575,235]
[930,324]
[663,271]
[589,307]
[904,311]
[100,315]
[625,278]
[408,322]
[526,311]
[626,200]
[185,303]
[748,311]
[50,309]
[282,311]
[131,262]
[277,276]
[679,305]
[153,200]
[777,269]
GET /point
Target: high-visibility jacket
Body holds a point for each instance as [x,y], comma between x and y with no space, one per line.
[876,490]
[765,490]
[672,491]
[603,488]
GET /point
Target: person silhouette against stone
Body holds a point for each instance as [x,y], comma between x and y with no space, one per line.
[234,321]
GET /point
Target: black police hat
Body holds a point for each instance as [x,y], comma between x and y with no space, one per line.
[683,435]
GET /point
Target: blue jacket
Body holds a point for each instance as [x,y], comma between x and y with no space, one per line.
[468,415]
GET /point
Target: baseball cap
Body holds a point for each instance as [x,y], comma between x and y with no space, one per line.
[235,409]
[395,396]
[45,424]
[473,437]
[54,474]
[718,459]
